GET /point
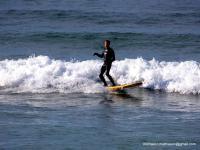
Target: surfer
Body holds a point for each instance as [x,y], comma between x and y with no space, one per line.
[109,56]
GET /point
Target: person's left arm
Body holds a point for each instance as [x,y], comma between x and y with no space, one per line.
[113,55]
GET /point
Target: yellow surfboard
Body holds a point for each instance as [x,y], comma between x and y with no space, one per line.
[124,86]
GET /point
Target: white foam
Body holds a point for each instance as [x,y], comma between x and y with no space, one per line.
[44,75]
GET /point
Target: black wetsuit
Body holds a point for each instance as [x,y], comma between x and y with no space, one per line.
[109,56]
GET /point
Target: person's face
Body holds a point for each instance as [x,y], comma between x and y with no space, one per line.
[106,44]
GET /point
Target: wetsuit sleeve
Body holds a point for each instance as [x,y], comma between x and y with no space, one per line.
[113,55]
[99,55]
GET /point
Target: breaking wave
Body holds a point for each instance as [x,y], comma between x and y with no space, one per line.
[44,75]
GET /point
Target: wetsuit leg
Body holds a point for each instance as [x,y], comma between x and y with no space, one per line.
[103,69]
[108,67]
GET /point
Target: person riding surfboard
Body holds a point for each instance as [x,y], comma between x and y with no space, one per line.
[109,56]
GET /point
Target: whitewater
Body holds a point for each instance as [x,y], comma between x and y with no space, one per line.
[41,74]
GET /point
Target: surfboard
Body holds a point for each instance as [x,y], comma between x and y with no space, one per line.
[124,86]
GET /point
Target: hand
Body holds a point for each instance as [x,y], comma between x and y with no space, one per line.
[94,54]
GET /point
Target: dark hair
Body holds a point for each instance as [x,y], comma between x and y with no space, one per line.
[107,41]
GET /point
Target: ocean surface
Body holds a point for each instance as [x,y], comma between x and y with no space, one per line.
[50,93]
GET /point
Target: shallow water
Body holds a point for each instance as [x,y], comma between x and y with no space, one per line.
[98,121]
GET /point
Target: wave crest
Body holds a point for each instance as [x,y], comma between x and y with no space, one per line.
[44,75]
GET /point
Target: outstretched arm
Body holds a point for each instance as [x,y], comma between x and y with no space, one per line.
[99,55]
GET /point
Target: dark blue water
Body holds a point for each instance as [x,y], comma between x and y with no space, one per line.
[166,30]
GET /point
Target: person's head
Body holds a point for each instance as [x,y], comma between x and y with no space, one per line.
[106,43]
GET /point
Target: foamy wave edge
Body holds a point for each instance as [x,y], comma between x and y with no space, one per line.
[41,74]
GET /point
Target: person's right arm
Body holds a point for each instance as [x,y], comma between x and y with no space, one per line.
[99,55]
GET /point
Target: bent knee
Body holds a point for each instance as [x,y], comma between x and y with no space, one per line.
[101,75]
[107,74]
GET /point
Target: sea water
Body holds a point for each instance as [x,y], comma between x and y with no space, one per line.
[50,93]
